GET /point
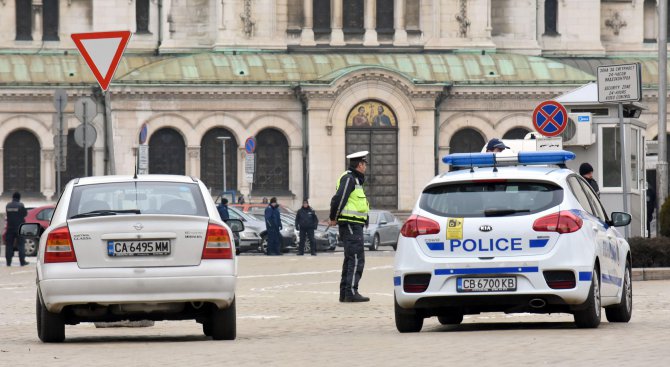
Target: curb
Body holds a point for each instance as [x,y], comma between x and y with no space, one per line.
[651,274]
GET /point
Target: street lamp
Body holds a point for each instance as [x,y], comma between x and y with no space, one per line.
[223,141]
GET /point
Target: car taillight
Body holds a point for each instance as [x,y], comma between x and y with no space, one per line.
[560,279]
[417,225]
[416,283]
[217,243]
[59,248]
[561,222]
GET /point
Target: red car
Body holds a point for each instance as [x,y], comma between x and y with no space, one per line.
[41,215]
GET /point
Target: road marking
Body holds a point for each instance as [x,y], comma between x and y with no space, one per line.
[307,273]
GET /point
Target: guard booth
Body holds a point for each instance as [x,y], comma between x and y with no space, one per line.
[593,135]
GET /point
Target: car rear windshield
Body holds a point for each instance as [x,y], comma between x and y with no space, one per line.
[490,199]
[137,198]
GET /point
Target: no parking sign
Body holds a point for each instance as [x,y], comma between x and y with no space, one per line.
[550,118]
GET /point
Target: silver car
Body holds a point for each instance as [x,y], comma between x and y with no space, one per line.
[383,230]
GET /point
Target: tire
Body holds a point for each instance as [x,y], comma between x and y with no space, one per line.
[207,328]
[395,246]
[308,247]
[30,245]
[375,243]
[223,323]
[50,326]
[624,310]
[263,246]
[407,321]
[453,318]
[589,317]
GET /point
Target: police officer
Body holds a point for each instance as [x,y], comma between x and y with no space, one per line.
[306,222]
[273,226]
[16,215]
[349,209]
[495,145]
[222,208]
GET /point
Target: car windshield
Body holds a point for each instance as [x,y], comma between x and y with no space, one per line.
[490,199]
[136,198]
[373,217]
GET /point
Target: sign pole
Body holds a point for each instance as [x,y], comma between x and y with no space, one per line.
[625,185]
[59,154]
[662,165]
[85,146]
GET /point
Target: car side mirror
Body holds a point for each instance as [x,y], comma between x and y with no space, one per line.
[30,230]
[620,219]
[235,225]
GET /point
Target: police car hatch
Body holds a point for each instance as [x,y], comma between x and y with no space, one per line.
[498,211]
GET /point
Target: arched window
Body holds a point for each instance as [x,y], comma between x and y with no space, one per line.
[551,18]
[321,14]
[24,20]
[650,30]
[167,152]
[466,141]
[352,16]
[272,168]
[385,17]
[211,160]
[21,159]
[516,133]
[50,16]
[75,160]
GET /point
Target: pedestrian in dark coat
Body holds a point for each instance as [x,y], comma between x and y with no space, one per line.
[306,222]
[16,215]
[586,171]
[223,209]
[273,226]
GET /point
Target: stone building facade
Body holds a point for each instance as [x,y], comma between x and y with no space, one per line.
[446,74]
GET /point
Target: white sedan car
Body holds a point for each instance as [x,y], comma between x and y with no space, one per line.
[511,234]
[135,248]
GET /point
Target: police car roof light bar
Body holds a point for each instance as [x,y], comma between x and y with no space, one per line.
[558,157]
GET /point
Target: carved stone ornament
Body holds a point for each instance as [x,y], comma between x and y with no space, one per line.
[247,21]
[616,23]
[462,18]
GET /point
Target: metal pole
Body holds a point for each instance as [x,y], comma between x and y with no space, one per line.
[85,146]
[59,153]
[662,166]
[624,166]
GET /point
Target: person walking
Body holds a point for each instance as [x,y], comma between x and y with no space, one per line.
[586,171]
[16,215]
[349,210]
[306,222]
[223,209]
[273,226]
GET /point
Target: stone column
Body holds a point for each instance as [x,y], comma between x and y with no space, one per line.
[48,168]
[400,35]
[230,21]
[307,35]
[336,34]
[370,22]
[37,20]
[193,156]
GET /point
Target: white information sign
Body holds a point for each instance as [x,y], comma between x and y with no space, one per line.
[619,83]
[249,177]
[143,160]
[250,163]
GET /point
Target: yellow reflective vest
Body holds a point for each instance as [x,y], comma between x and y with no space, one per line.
[357,207]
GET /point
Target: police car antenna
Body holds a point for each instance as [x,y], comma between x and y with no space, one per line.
[135,176]
[495,162]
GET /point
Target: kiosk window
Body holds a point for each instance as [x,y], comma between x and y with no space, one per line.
[611,153]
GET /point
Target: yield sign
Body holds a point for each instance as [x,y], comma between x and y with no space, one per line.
[102,52]
[550,118]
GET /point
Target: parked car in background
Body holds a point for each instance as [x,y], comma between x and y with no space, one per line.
[258,208]
[326,239]
[254,230]
[41,215]
[383,230]
[257,224]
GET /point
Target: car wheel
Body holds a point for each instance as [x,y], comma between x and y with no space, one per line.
[50,326]
[453,318]
[624,310]
[407,321]
[375,243]
[395,246]
[263,247]
[30,245]
[223,323]
[589,317]
[308,247]
[207,328]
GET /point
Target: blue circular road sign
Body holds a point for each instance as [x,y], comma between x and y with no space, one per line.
[250,145]
[550,118]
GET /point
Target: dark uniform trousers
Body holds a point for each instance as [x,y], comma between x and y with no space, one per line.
[12,238]
[307,234]
[354,257]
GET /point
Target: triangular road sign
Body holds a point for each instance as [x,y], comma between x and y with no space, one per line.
[102,52]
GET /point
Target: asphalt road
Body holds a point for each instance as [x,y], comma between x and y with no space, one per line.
[288,315]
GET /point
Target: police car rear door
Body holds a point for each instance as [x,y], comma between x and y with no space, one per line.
[489,218]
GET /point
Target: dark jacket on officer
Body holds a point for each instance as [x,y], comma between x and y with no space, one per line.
[272,218]
[16,214]
[306,218]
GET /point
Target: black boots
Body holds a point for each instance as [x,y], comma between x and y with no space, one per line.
[356,297]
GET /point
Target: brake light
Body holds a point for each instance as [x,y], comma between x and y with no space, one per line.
[561,222]
[59,248]
[417,225]
[217,243]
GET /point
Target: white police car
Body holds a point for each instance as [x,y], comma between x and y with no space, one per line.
[511,234]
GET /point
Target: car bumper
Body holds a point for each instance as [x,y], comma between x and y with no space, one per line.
[65,284]
[249,244]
